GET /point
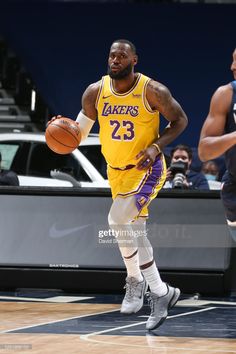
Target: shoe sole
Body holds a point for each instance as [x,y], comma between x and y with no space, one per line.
[172,303]
[139,308]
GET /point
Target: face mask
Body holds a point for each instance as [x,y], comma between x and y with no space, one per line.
[210,177]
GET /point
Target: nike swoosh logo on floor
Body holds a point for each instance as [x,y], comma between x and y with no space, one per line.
[55,233]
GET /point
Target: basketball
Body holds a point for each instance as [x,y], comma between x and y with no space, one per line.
[63,135]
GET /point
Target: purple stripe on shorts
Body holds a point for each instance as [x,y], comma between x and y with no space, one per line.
[143,196]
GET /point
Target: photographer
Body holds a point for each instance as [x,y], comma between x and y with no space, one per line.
[179,174]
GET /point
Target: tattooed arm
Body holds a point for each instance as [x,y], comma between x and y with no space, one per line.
[160,98]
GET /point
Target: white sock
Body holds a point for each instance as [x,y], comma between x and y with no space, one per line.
[152,276]
[132,266]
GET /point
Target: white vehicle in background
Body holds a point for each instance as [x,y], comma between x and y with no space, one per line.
[28,155]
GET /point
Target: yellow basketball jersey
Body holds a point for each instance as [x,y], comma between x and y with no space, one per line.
[127,122]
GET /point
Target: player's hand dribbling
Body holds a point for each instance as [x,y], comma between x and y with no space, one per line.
[147,157]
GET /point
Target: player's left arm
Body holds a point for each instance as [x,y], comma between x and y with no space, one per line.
[160,98]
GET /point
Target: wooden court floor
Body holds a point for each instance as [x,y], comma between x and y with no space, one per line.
[46,322]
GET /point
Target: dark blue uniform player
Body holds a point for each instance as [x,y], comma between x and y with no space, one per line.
[218,136]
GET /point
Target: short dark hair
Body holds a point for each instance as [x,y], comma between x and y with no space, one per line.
[182,147]
[126,41]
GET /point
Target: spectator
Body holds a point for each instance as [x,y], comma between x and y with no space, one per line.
[211,171]
[7,177]
[179,174]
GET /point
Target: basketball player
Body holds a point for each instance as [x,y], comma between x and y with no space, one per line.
[127,105]
[218,136]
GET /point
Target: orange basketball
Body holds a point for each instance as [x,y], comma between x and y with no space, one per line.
[63,135]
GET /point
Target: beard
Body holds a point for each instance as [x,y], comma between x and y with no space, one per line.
[120,74]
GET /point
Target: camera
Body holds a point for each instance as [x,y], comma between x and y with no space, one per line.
[178,170]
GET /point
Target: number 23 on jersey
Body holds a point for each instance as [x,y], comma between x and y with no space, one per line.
[123,130]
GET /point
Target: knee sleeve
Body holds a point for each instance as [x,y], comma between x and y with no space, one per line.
[145,250]
[123,211]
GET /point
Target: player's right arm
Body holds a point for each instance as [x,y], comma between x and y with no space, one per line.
[89,101]
[88,114]
[213,142]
